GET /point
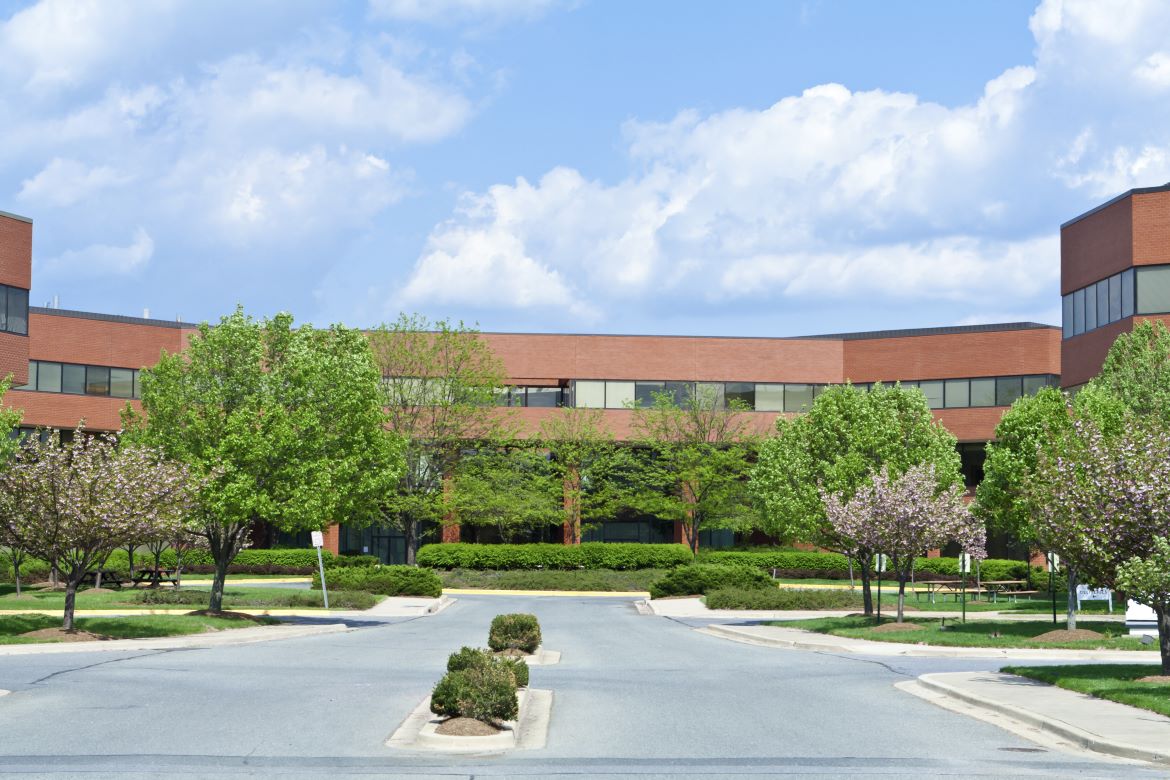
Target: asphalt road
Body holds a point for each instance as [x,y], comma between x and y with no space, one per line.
[634,696]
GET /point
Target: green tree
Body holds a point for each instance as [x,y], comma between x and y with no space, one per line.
[695,460]
[1147,580]
[440,382]
[280,425]
[1136,374]
[845,438]
[508,486]
[12,539]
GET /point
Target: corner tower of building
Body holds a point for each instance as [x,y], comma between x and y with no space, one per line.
[15,281]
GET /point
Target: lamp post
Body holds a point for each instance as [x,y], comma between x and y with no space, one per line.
[880,565]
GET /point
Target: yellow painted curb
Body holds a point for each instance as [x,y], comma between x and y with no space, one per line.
[624,594]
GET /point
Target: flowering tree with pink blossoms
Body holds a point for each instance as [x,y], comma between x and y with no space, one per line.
[1105,501]
[82,499]
[903,517]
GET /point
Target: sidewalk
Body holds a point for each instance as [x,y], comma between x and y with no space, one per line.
[796,639]
[695,608]
[233,636]
[393,606]
[1087,722]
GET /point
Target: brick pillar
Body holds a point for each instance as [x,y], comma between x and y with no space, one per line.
[333,539]
[451,531]
[934,553]
[572,504]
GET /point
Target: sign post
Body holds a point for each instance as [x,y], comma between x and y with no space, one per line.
[319,542]
[964,570]
[880,564]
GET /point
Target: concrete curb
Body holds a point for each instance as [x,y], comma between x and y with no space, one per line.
[528,732]
[1053,723]
[235,636]
[440,604]
[600,594]
[798,639]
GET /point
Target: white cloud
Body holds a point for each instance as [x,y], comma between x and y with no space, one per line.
[98,260]
[840,194]
[455,11]
[64,182]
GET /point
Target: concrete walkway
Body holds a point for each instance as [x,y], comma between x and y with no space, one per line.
[233,636]
[797,639]
[1085,721]
[694,607]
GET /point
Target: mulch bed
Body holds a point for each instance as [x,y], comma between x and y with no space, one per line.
[1155,678]
[1064,635]
[886,628]
[61,635]
[466,727]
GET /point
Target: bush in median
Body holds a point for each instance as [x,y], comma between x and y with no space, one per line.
[590,555]
[486,693]
[383,580]
[517,631]
[700,578]
[471,657]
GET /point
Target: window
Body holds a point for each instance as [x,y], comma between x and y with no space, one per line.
[97,380]
[1007,390]
[16,320]
[797,397]
[983,392]
[744,392]
[644,392]
[1034,384]
[957,393]
[1114,298]
[619,395]
[72,379]
[544,397]
[1091,307]
[589,395]
[49,377]
[31,384]
[137,385]
[1102,302]
[121,383]
[1078,312]
[1067,317]
[680,392]
[1153,290]
[770,398]
[710,395]
[933,392]
[1127,299]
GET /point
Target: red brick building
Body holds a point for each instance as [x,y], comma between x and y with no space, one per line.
[70,366]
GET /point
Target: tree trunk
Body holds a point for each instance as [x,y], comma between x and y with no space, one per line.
[221,566]
[1163,614]
[130,554]
[1072,599]
[901,595]
[410,531]
[17,560]
[54,575]
[97,580]
[866,590]
[70,600]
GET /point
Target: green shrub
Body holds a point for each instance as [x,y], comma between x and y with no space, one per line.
[516,631]
[173,596]
[590,555]
[541,579]
[816,565]
[352,561]
[384,580]
[471,658]
[31,570]
[486,693]
[782,598]
[699,578]
[338,599]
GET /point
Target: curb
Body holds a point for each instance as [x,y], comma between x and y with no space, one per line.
[217,639]
[1067,731]
[868,647]
[612,594]
[528,732]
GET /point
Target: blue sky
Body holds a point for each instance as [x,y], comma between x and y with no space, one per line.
[749,168]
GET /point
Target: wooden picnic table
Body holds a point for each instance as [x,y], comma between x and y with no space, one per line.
[108,577]
[995,587]
[937,586]
[155,577]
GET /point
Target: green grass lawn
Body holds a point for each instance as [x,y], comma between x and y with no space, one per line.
[230,577]
[976,633]
[580,579]
[139,627]
[168,597]
[1116,682]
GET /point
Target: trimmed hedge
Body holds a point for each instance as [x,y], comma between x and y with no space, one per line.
[813,565]
[486,693]
[384,580]
[699,578]
[782,598]
[590,555]
[515,631]
[471,657]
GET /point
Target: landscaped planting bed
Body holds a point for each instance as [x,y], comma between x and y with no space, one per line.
[776,598]
[590,555]
[384,580]
[699,578]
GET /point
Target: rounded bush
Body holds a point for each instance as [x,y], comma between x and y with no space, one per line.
[516,631]
[486,693]
[474,658]
[384,580]
[699,578]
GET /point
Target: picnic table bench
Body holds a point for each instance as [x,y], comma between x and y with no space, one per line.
[931,587]
[108,577]
[156,577]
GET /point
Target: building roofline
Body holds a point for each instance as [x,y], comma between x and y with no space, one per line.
[89,315]
[854,336]
[1128,193]
[10,215]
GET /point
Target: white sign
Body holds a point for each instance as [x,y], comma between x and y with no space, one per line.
[1053,561]
[318,538]
[879,563]
[1085,593]
[964,563]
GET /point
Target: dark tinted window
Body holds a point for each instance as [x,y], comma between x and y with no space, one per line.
[49,377]
[544,396]
[1102,302]
[97,380]
[1078,312]
[1115,298]
[17,320]
[744,392]
[644,392]
[72,379]
[1007,390]
[121,383]
[1127,293]
[1067,316]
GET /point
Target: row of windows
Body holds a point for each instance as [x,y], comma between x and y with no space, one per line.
[47,377]
[13,310]
[547,397]
[1143,290]
[787,397]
